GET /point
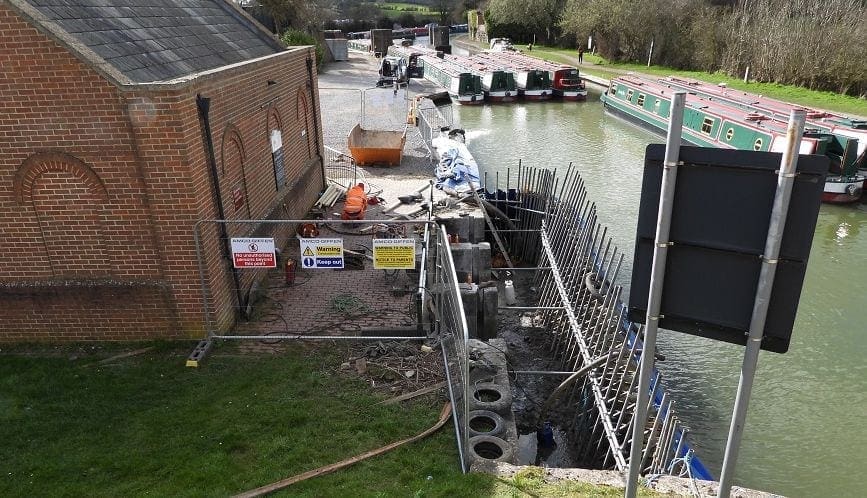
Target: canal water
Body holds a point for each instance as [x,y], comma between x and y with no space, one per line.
[805,433]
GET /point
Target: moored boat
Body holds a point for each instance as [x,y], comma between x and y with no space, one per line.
[710,123]
[533,84]
[848,154]
[498,82]
[465,87]
[565,80]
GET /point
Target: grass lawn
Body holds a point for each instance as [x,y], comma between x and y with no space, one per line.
[423,13]
[147,425]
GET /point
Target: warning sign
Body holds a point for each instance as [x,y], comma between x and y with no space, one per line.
[321,253]
[253,253]
[394,254]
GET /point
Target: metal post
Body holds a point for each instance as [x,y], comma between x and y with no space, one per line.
[660,252]
[650,54]
[785,180]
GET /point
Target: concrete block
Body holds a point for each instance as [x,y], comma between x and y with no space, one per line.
[462,254]
[488,313]
[470,298]
[469,227]
[482,262]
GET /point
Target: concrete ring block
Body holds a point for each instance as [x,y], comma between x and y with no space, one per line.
[485,423]
[490,448]
[491,396]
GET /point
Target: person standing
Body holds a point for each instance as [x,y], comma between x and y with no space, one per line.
[580,54]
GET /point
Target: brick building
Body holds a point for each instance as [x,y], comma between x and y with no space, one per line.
[123,123]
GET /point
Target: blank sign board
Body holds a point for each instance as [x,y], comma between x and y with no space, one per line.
[722,207]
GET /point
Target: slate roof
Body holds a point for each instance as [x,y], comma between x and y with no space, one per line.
[158,40]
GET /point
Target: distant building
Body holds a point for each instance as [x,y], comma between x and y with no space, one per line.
[122,124]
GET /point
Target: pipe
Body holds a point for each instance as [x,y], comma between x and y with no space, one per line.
[566,383]
[204,107]
[313,108]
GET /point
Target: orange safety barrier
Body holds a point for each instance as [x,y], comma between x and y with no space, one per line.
[356,203]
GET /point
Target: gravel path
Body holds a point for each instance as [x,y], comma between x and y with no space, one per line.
[341,86]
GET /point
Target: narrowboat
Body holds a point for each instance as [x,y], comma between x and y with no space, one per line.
[359,44]
[533,84]
[465,87]
[565,80]
[498,82]
[848,154]
[713,124]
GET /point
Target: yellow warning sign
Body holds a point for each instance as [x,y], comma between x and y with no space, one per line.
[308,252]
[394,254]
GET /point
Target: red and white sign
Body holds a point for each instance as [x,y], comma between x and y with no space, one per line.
[253,253]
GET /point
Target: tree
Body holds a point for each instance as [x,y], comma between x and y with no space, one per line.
[524,19]
[293,13]
[443,8]
[407,20]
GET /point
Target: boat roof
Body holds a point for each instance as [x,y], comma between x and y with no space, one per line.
[659,88]
[535,62]
[492,58]
[478,65]
[776,109]
[444,65]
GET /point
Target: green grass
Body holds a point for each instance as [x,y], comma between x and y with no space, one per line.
[422,13]
[148,425]
[598,66]
[410,7]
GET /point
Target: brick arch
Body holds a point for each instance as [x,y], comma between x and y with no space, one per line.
[233,158]
[275,121]
[68,201]
[232,138]
[43,162]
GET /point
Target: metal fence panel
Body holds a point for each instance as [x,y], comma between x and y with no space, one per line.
[452,332]
[353,301]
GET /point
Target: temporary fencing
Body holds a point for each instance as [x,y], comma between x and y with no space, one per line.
[452,331]
[355,280]
[551,228]
[342,279]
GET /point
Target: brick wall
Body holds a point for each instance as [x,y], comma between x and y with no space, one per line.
[101,187]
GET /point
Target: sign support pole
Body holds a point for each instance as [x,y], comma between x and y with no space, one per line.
[654,301]
[785,181]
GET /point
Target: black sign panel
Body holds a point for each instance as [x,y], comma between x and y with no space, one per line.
[722,208]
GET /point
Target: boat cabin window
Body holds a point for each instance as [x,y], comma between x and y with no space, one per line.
[707,126]
[629,95]
[730,133]
[758,144]
[640,100]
